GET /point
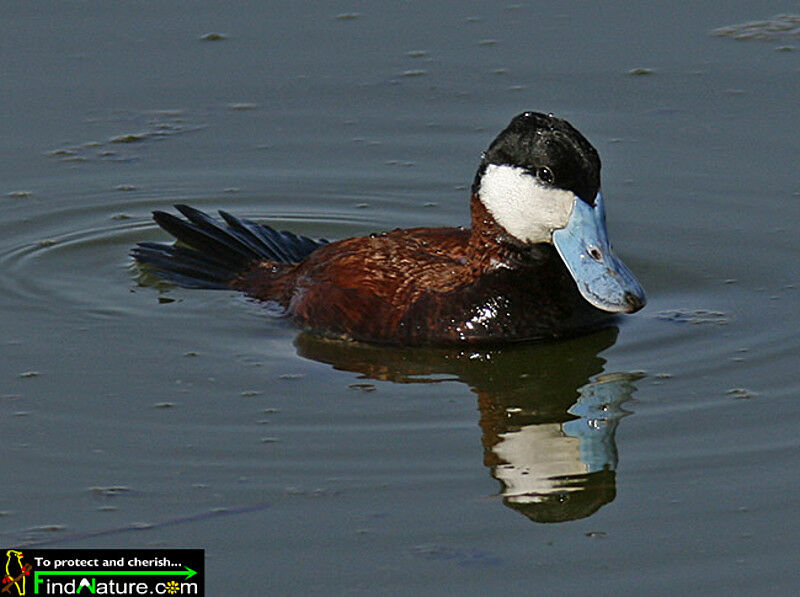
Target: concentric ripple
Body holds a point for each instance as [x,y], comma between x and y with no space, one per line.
[71,258]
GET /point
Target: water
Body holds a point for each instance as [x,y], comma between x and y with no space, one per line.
[144,416]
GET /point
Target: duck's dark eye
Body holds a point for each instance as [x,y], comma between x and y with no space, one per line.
[545,174]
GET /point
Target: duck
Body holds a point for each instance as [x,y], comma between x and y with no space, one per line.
[535,264]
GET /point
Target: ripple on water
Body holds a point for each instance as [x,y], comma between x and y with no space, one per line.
[78,257]
[137,128]
[779,27]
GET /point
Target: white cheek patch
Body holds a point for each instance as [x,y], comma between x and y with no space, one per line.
[527,209]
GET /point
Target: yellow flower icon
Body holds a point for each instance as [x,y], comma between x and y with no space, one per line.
[172,587]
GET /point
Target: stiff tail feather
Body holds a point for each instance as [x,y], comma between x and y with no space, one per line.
[210,254]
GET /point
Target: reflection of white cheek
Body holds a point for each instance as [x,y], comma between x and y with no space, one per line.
[523,206]
[537,458]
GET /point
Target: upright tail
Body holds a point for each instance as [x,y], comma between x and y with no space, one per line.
[209,254]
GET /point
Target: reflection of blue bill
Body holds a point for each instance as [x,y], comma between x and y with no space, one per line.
[599,410]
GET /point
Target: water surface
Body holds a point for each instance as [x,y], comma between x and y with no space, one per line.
[660,454]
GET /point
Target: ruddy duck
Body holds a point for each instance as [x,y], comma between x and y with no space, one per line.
[536,263]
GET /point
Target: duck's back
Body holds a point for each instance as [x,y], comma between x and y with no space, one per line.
[361,288]
[423,286]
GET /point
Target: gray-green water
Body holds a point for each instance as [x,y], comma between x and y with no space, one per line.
[134,417]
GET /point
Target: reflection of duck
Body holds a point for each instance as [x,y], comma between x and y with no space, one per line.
[548,434]
[564,468]
[535,264]
[15,572]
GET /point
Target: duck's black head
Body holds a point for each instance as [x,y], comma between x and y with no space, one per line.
[540,181]
[550,149]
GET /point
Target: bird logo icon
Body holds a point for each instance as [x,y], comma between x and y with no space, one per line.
[16,572]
